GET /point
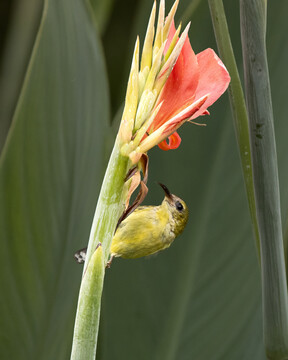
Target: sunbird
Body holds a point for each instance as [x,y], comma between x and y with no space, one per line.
[147,230]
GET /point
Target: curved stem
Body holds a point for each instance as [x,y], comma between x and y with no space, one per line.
[108,210]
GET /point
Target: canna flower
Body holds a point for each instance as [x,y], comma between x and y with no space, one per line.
[173,86]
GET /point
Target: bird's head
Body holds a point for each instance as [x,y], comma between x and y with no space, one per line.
[177,208]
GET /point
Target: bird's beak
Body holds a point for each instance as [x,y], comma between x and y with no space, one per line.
[167,192]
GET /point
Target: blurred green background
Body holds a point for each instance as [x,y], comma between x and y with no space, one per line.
[64,70]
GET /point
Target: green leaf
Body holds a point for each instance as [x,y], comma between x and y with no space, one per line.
[266,182]
[51,170]
[22,30]
[102,11]
[237,103]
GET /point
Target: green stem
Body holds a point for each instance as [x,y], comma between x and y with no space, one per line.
[110,204]
[265,172]
[88,310]
[237,103]
[108,210]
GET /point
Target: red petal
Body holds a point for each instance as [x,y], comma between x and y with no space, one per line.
[214,78]
[181,85]
[174,142]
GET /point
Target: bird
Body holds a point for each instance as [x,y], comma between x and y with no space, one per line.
[148,230]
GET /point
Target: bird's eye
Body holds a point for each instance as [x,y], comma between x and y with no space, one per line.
[179,206]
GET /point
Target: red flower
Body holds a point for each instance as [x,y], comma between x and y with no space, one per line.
[194,84]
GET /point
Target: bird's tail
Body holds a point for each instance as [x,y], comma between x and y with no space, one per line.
[80,255]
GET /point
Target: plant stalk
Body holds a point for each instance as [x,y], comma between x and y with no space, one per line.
[109,207]
[110,204]
[88,310]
